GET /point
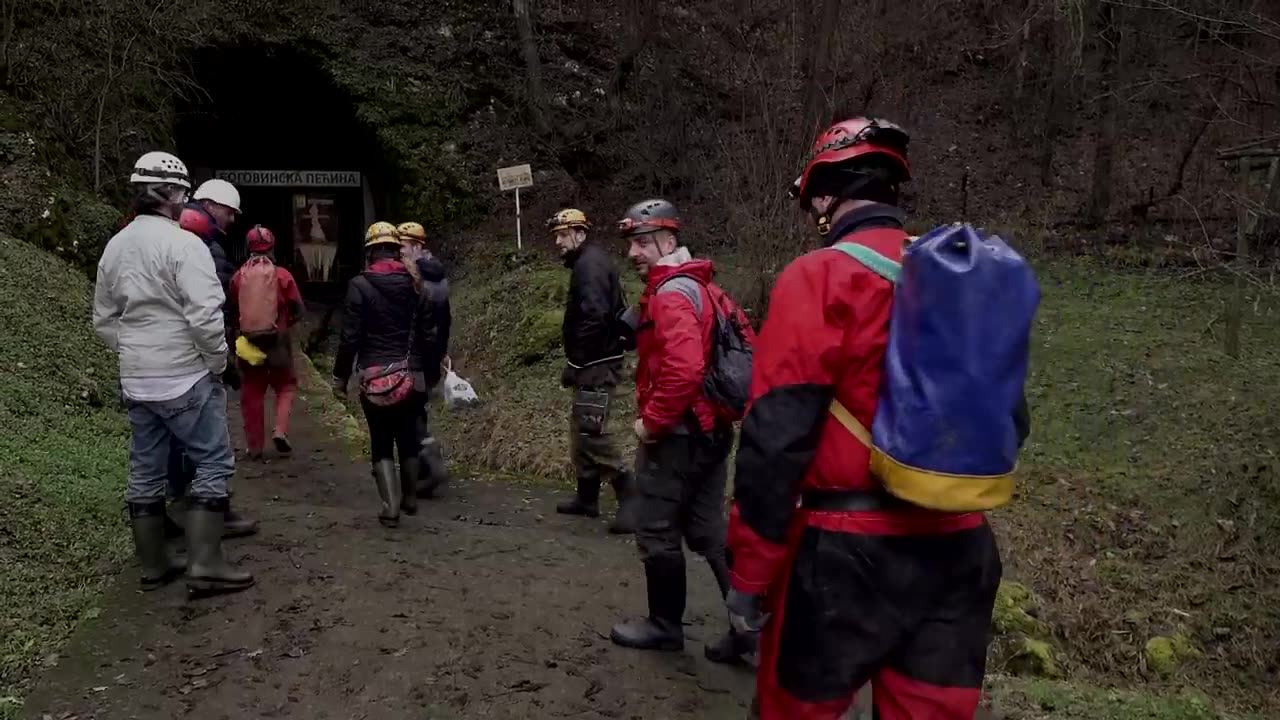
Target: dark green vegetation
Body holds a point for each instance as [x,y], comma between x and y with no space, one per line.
[1147,511]
[63,443]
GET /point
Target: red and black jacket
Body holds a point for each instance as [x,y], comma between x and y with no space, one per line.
[824,338]
[673,342]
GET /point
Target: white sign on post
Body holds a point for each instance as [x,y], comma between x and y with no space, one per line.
[514,178]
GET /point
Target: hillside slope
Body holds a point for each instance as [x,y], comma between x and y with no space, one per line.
[1150,487]
[64,441]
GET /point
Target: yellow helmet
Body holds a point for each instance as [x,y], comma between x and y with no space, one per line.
[380,232]
[567,218]
[413,232]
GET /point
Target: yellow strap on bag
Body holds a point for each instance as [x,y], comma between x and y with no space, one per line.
[249,352]
[928,489]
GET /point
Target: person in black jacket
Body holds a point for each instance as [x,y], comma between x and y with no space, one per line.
[436,318]
[388,341]
[208,220]
[594,350]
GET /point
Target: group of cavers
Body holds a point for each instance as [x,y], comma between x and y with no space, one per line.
[881,409]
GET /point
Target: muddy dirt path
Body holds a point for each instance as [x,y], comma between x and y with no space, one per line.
[485,605]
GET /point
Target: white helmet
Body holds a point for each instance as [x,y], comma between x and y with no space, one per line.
[161,168]
[219,191]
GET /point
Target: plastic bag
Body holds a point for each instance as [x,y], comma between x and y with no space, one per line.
[457,391]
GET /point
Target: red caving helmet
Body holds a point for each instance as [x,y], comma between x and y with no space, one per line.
[844,142]
[260,240]
[198,222]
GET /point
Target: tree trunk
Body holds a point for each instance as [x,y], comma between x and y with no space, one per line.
[533,66]
[1056,101]
[9,10]
[1235,306]
[1020,78]
[636,15]
[1107,145]
[821,27]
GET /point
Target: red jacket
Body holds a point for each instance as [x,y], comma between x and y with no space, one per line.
[824,338]
[289,307]
[673,343]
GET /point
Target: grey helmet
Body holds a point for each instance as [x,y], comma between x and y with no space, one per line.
[649,216]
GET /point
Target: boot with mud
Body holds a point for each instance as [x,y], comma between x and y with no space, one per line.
[585,502]
[207,572]
[236,525]
[409,469]
[435,472]
[624,522]
[663,629]
[733,648]
[388,483]
[159,568]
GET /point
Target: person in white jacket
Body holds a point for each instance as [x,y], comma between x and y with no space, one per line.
[158,306]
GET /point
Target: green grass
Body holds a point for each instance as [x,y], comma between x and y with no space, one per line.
[511,352]
[64,450]
[1020,699]
[1150,501]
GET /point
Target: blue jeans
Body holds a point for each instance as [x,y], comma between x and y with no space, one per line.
[198,422]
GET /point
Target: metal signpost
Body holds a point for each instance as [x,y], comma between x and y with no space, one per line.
[514,178]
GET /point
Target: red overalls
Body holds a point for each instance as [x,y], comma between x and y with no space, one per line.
[278,375]
[862,588]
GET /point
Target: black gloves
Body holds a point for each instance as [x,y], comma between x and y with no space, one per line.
[231,376]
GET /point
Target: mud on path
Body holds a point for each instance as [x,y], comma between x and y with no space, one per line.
[485,605]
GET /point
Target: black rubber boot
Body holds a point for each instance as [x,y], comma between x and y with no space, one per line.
[235,525]
[207,572]
[388,483]
[585,502]
[409,469]
[434,469]
[172,528]
[663,629]
[158,567]
[732,648]
[624,487]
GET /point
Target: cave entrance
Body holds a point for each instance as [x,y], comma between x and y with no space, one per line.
[269,120]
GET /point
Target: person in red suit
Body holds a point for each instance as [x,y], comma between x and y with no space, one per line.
[268,294]
[845,583]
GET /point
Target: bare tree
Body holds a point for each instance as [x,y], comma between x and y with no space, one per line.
[533,66]
[9,15]
[822,24]
[1112,37]
[638,17]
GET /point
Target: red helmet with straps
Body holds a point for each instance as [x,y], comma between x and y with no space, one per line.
[260,240]
[849,140]
[197,221]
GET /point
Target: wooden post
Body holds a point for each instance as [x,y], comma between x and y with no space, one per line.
[1235,307]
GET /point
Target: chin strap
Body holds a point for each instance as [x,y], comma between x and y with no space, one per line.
[824,224]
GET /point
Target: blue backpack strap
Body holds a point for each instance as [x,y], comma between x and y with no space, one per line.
[872,260]
[686,286]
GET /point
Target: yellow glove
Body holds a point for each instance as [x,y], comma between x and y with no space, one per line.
[249,352]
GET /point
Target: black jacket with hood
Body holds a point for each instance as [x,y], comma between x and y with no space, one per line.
[381,305]
[592,343]
[434,317]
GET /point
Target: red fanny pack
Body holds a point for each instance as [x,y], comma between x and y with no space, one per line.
[386,385]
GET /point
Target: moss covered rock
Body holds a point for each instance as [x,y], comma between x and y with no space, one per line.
[1032,657]
[1024,643]
[1165,654]
[1015,612]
